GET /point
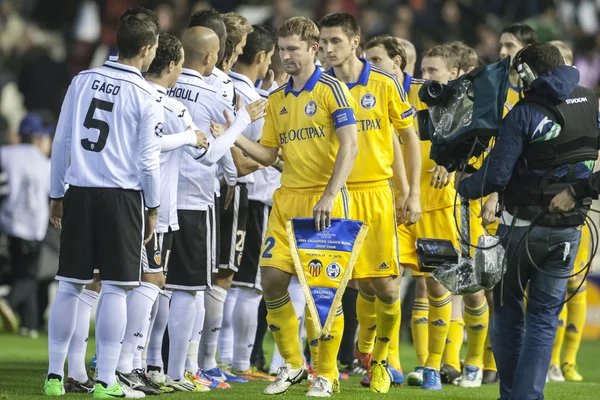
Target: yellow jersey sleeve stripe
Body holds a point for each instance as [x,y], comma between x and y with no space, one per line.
[336,89]
[417,81]
[393,78]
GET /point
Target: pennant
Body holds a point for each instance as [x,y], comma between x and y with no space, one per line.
[324,262]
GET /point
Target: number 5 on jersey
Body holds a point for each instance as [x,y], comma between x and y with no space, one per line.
[93,123]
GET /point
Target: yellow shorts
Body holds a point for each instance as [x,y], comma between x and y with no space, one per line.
[374,204]
[475,226]
[583,253]
[436,224]
[287,204]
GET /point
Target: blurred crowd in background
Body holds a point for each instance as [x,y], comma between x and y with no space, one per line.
[44,43]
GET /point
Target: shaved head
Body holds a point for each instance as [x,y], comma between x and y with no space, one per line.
[201,46]
[411,55]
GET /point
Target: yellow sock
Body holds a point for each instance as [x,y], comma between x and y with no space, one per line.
[312,336]
[394,349]
[560,335]
[476,321]
[575,321]
[328,349]
[489,362]
[283,324]
[440,312]
[420,329]
[388,317]
[454,343]
[367,322]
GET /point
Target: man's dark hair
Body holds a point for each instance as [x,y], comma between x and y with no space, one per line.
[346,21]
[542,57]
[143,13]
[262,38]
[226,54]
[133,33]
[522,32]
[169,49]
[211,19]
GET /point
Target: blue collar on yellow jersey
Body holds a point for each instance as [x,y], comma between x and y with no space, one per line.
[406,83]
[309,85]
[363,79]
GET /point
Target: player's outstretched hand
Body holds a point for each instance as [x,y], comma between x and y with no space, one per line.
[218,129]
[322,212]
[488,210]
[412,210]
[440,178]
[56,213]
[201,140]
[268,81]
[151,217]
[257,109]
[229,196]
[562,202]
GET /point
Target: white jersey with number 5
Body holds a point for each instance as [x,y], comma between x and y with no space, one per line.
[107,133]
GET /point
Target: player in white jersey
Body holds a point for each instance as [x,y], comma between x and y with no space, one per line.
[106,150]
[190,264]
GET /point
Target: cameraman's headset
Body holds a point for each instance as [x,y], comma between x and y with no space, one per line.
[526,73]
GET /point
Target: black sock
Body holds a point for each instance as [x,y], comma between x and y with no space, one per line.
[152,368]
[54,376]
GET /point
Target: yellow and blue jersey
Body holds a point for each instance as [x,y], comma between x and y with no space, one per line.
[303,124]
[382,107]
[512,97]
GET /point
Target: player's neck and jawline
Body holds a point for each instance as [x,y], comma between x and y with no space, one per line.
[350,71]
[198,67]
[136,62]
[162,81]
[300,80]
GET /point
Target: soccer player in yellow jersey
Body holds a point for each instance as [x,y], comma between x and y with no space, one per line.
[572,317]
[312,120]
[382,109]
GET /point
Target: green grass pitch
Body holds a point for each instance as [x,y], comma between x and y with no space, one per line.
[23,364]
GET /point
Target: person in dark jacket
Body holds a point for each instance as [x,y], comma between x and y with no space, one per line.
[528,170]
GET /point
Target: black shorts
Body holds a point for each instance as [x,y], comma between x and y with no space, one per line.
[233,227]
[157,252]
[249,273]
[216,234]
[102,229]
[190,262]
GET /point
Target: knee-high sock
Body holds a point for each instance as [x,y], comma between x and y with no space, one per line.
[367,322]
[157,332]
[261,330]
[79,340]
[226,335]
[454,343]
[141,353]
[419,325]
[328,349]
[110,330]
[283,323]
[346,354]
[560,336]
[96,317]
[440,312]
[214,300]
[388,325]
[139,307]
[575,322]
[394,349]
[312,336]
[183,305]
[299,303]
[244,318]
[61,325]
[476,322]
[191,361]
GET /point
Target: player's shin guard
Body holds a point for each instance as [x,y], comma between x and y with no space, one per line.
[419,324]
[367,321]
[283,324]
[440,312]
[388,319]
[476,321]
[157,331]
[245,319]
[575,321]
[394,349]
[454,342]
[329,347]
[214,301]
[560,336]
[226,335]
[110,330]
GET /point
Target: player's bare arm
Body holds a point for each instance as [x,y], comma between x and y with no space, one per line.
[344,162]
[412,206]
[258,152]
[244,164]
[400,181]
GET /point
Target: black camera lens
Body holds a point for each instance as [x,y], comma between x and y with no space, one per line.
[435,89]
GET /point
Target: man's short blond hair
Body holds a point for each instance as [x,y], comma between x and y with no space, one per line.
[467,55]
[447,53]
[237,27]
[565,51]
[306,29]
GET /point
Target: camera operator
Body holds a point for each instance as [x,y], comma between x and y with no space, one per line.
[546,142]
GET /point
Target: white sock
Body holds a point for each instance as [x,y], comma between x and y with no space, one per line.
[139,358]
[139,307]
[96,320]
[79,340]
[226,333]
[191,361]
[110,328]
[157,333]
[61,325]
[299,303]
[214,300]
[245,320]
[181,324]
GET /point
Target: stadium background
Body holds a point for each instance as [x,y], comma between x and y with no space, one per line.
[44,43]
